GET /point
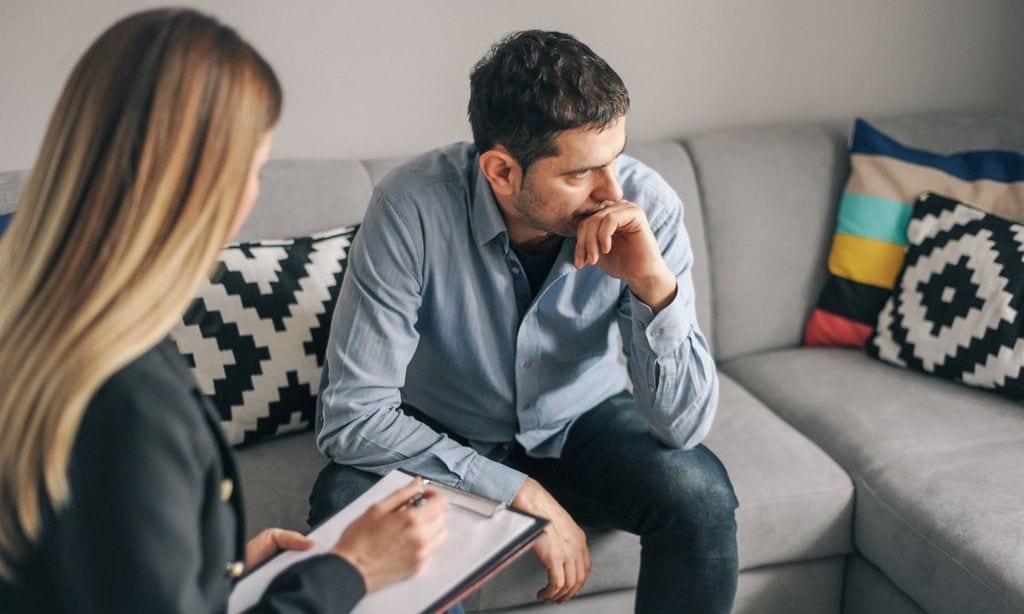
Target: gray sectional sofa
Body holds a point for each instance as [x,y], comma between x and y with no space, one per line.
[863,488]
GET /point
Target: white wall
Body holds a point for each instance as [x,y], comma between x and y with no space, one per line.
[389,77]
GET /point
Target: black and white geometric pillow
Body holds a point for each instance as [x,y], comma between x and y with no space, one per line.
[257,331]
[957,309]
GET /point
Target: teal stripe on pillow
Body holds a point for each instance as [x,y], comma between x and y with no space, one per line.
[874,217]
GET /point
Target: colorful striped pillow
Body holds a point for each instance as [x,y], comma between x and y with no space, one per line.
[871,230]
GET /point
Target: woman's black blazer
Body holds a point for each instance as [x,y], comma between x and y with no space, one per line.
[155,520]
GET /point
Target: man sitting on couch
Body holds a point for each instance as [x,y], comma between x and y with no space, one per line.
[474,340]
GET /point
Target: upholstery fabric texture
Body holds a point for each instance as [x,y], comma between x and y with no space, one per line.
[867,591]
[256,333]
[930,463]
[958,306]
[764,187]
[867,250]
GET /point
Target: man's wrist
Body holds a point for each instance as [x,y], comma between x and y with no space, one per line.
[656,291]
[523,498]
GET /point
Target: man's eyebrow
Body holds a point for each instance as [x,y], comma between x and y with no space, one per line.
[600,166]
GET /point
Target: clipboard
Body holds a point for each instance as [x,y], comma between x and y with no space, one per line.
[484,536]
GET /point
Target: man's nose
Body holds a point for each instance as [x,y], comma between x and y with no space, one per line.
[608,188]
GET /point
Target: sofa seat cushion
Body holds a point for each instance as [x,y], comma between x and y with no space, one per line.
[936,466]
[796,503]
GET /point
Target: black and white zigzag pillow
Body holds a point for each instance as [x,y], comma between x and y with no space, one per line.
[256,333]
[958,306]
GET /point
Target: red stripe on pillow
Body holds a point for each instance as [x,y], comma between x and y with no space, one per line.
[826,328]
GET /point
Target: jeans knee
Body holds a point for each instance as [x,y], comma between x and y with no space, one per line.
[335,487]
[711,496]
[696,510]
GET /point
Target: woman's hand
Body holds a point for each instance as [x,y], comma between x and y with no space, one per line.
[394,538]
[271,541]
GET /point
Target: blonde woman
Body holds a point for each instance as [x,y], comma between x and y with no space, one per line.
[116,484]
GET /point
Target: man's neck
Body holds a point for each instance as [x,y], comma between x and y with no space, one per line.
[542,244]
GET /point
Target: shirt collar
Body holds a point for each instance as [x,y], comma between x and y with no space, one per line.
[487,220]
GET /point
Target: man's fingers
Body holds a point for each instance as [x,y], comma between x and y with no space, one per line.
[582,572]
[605,233]
[584,233]
[570,582]
[595,234]
[578,259]
[556,580]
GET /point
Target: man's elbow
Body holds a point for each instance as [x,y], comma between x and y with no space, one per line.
[694,424]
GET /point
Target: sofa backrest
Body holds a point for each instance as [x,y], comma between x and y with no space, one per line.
[770,195]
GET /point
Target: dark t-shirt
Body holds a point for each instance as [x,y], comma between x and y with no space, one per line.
[537,265]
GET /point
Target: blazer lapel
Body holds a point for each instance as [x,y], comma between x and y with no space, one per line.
[227,455]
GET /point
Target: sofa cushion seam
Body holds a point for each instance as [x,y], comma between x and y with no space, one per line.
[931,543]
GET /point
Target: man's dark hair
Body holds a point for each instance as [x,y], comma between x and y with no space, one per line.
[532,85]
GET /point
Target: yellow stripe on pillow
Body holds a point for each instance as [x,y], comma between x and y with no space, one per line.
[903,181]
[867,261]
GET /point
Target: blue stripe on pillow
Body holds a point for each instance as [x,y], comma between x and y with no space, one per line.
[5,219]
[998,165]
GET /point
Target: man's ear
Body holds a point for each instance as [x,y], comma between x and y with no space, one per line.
[501,170]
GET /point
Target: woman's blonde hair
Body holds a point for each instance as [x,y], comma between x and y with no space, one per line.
[136,188]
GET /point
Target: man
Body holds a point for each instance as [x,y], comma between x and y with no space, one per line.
[476,338]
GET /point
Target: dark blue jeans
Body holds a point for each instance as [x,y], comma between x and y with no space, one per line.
[614,474]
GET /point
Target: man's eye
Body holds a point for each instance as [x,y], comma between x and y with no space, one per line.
[581,174]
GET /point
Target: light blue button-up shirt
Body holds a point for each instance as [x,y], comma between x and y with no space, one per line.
[428,316]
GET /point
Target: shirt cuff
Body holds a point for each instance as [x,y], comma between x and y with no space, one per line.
[667,329]
[493,480]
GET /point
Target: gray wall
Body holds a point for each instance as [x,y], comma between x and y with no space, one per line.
[389,77]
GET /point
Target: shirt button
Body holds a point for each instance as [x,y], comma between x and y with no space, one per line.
[515,270]
[227,488]
[235,569]
[527,364]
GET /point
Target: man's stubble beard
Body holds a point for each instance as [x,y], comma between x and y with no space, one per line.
[529,204]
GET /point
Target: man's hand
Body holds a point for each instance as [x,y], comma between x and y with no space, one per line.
[562,549]
[619,239]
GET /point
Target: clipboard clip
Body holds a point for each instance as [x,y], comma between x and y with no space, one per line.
[466,500]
